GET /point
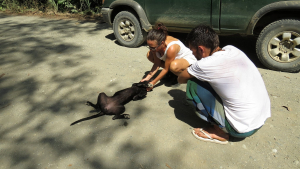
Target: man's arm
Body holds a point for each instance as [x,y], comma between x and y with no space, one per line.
[184,77]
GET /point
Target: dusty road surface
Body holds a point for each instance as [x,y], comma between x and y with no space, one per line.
[49,68]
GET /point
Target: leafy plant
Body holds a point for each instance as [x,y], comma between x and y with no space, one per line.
[74,6]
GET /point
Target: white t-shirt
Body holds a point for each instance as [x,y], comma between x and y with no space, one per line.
[239,84]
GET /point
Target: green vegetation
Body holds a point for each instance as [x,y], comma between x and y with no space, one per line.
[71,6]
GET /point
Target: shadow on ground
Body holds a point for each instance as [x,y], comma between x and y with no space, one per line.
[183,111]
[45,79]
[42,85]
[187,113]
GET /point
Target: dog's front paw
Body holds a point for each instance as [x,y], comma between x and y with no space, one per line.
[88,103]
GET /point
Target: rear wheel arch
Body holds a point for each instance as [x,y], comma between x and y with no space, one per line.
[275,16]
[273,12]
[119,9]
[133,7]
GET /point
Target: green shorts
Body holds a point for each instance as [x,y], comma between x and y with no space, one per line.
[209,106]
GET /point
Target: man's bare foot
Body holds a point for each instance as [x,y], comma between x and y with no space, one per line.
[214,132]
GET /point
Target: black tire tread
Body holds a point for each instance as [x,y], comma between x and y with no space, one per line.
[142,34]
[260,40]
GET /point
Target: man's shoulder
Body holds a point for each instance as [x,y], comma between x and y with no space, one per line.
[226,55]
[230,47]
[230,52]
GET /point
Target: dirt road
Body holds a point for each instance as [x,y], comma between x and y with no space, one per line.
[49,68]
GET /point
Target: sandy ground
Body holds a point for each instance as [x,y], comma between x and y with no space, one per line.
[49,68]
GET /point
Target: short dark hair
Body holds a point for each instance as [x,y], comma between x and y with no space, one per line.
[203,35]
[158,33]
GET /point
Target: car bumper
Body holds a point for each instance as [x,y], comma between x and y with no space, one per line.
[106,14]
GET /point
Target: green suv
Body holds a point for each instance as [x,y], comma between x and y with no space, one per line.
[276,23]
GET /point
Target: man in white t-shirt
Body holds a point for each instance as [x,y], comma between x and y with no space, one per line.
[225,87]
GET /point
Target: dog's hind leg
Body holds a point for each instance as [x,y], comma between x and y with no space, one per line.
[91,104]
[118,111]
[102,99]
[121,116]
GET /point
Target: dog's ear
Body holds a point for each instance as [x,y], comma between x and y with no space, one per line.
[141,84]
[145,84]
[141,95]
[135,84]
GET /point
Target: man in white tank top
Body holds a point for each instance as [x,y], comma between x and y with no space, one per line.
[230,76]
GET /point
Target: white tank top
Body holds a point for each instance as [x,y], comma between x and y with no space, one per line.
[183,52]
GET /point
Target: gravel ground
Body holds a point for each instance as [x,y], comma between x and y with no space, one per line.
[49,68]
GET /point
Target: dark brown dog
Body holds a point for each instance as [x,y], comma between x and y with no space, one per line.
[114,105]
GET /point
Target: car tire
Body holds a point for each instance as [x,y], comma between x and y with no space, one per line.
[278,46]
[127,29]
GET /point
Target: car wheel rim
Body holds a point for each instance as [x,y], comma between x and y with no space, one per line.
[285,47]
[126,30]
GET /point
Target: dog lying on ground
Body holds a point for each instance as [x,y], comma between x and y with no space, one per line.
[114,105]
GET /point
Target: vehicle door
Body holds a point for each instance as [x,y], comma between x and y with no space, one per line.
[179,13]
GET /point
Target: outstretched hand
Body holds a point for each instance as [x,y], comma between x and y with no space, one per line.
[150,88]
[150,84]
[145,79]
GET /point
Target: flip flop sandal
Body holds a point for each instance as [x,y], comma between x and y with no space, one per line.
[208,139]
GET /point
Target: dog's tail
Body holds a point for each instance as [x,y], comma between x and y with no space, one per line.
[88,118]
